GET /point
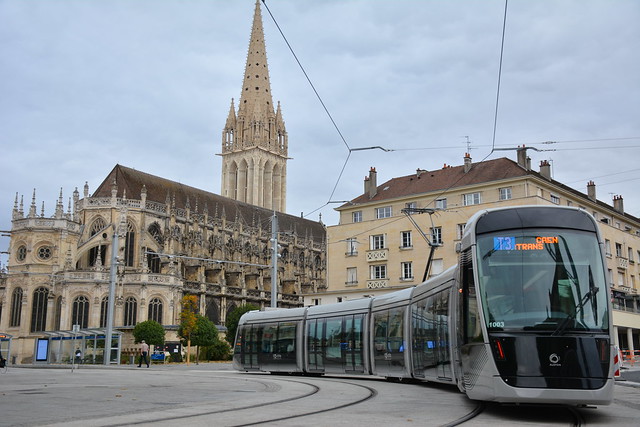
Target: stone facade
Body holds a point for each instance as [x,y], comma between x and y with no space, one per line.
[185,242]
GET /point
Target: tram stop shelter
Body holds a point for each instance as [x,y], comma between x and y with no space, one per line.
[79,346]
[5,346]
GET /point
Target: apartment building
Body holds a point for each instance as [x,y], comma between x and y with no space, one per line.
[376,248]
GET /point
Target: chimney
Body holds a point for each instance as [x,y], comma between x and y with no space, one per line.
[522,156]
[371,183]
[545,169]
[591,190]
[420,172]
[617,204]
[467,162]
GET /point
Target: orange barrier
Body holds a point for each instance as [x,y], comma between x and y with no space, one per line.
[630,356]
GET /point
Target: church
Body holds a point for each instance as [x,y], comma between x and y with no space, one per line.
[172,239]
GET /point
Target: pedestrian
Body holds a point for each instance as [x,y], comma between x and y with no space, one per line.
[78,356]
[144,354]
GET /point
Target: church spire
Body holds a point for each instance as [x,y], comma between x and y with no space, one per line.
[256,87]
[254,141]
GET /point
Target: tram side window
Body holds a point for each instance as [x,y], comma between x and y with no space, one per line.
[269,335]
[286,337]
[380,326]
[396,327]
[334,338]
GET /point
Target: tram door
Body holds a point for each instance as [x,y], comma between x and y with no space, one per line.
[388,342]
[335,344]
[249,347]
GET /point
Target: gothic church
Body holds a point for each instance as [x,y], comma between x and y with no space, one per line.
[174,239]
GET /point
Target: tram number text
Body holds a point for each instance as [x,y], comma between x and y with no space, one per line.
[496,324]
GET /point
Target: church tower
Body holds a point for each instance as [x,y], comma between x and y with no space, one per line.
[254,141]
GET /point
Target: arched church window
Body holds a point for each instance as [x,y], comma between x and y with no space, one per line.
[130,311]
[58,315]
[16,307]
[104,310]
[155,310]
[153,261]
[156,232]
[80,312]
[39,309]
[98,225]
[212,313]
[93,255]
[129,245]
[230,308]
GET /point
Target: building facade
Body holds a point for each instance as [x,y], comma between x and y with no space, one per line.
[172,239]
[376,248]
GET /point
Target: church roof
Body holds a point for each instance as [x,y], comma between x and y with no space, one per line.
[130,183]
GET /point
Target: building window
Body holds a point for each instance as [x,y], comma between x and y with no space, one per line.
[377,242]
[554,199]
[618,249]
[80,312]
[155,231]
[44,252]
[630,252]
[411,205]
[437,267]
[352,276]
[16,307]
[155,310]
[407,270]
[406,240]
[153,261]
[607,247]
[441,203]
[436,235]
[129,245]
[471,199]
[459,231]
[57,320]
[39,310]
[569,203]
[505,193]
[356,216]
[212,312]
[104,309]
[352,247]
[378,271]
[130,311]
[384,212]
[21,254]
[95,252]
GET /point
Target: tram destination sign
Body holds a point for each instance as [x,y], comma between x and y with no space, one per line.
[508,243]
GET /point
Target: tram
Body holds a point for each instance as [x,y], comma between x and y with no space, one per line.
[524,317]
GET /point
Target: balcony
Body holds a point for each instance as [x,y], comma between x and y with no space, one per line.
[377,255]
[622,262]
[377,284]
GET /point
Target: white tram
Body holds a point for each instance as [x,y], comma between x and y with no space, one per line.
[523,317]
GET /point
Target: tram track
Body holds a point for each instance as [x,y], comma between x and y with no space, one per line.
[238,411]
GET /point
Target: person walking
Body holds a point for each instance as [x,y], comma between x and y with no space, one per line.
[144,354]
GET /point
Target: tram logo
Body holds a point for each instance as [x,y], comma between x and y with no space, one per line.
[554,359]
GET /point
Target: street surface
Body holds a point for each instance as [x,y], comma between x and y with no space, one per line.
[212,394]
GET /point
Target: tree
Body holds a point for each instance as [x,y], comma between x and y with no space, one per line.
[204,334]
[232,321]
[188,320]
[149,331]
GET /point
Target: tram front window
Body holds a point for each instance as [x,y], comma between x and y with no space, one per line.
[551,280]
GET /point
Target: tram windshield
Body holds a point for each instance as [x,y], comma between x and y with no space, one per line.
[543,279]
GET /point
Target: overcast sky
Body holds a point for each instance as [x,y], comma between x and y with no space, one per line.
[85,85]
